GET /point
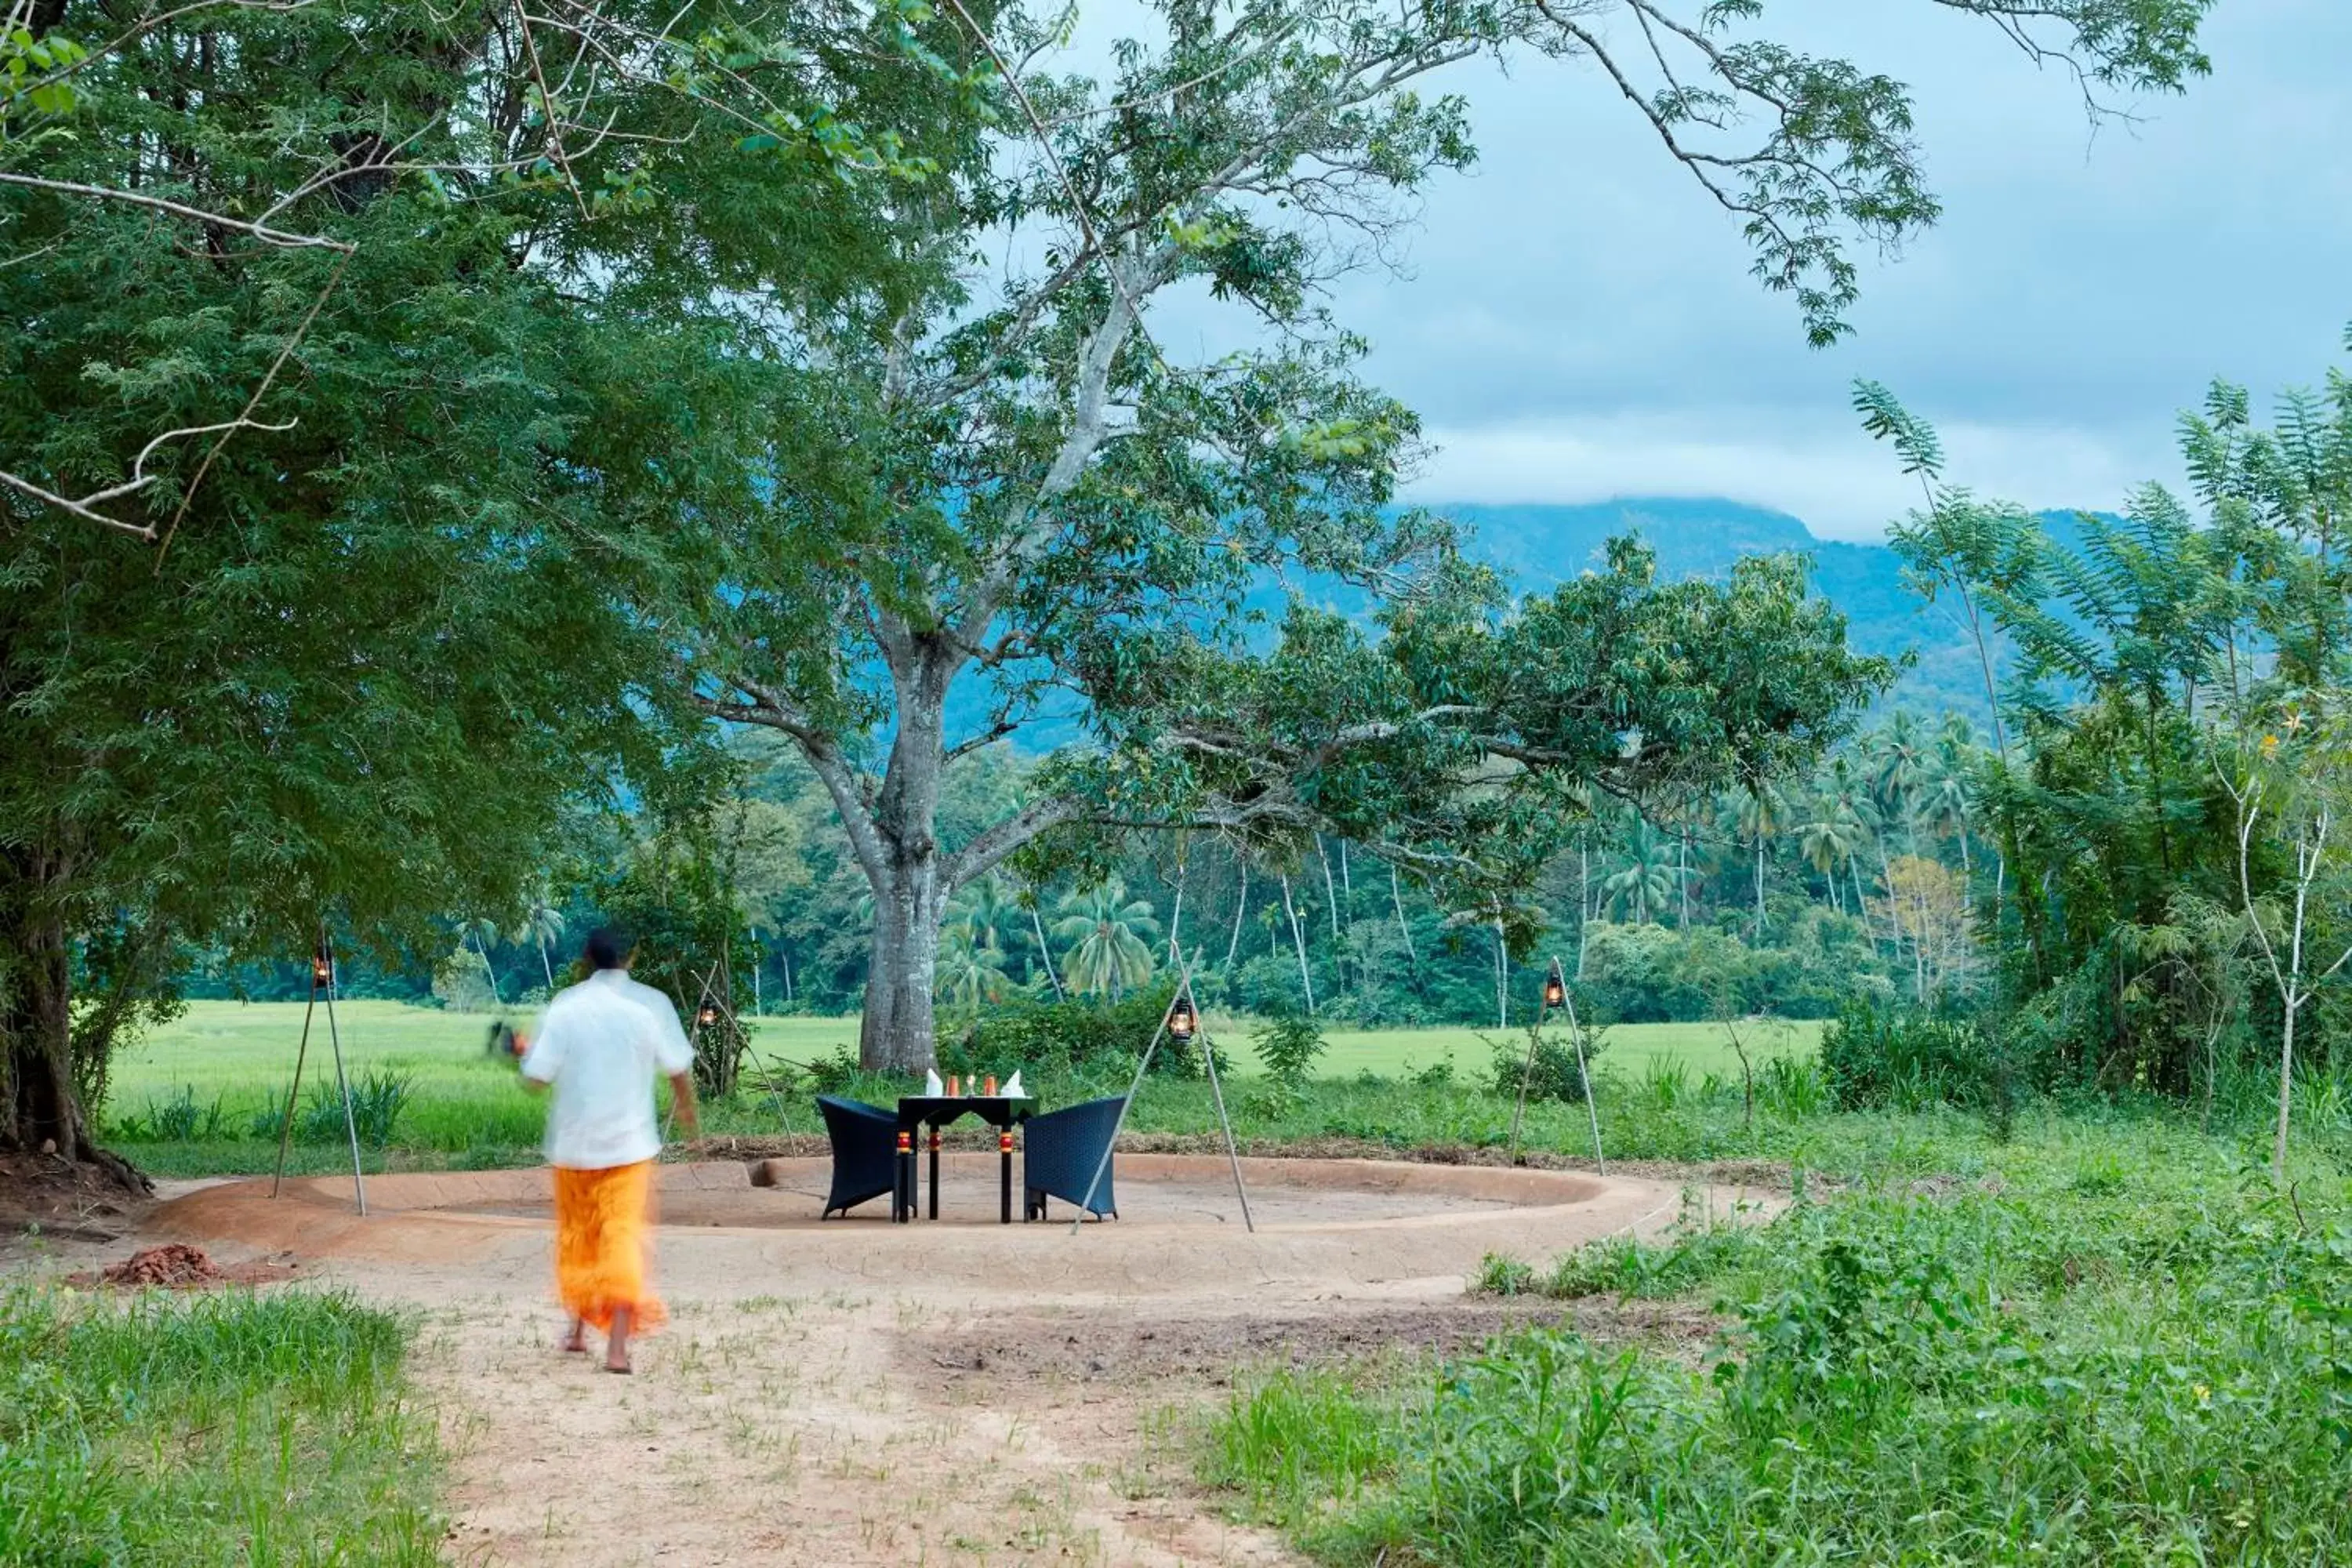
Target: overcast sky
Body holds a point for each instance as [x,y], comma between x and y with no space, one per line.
[1578,322]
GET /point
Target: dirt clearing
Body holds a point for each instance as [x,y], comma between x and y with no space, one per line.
[959,1393]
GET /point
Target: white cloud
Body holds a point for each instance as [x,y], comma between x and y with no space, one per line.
[1838,482]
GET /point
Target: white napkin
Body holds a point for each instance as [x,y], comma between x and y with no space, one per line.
[932,1087]
[1012,1089]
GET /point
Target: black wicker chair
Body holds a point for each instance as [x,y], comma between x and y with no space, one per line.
[1060,1151]
[864,1152]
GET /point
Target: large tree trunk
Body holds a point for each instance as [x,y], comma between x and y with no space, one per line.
[897,1035]
[41,1110]
[900,853]
[42,1107]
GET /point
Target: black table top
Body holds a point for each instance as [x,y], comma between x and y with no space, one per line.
[938,1110]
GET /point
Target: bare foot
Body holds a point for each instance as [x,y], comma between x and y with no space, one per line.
[617,1349]
[576,1341]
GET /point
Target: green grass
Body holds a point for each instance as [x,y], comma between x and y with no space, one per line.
[202,1095]
[222,1429]
[2107,1341]
[1630,1047]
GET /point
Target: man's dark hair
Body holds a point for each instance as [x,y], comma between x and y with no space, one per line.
[609,948]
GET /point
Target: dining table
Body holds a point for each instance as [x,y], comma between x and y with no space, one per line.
[919,1111]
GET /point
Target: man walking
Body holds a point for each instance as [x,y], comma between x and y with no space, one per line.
[599,1045]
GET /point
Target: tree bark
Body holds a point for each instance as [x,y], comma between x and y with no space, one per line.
[40,1096]
[1396,898]
[1044,952]
[1759,888]
[1241,907]
[2286,1092]
[897,1034]
[1298,939]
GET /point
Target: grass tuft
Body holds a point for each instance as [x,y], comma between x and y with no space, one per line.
[214,1429]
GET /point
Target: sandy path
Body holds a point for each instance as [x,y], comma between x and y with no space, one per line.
[864,1393]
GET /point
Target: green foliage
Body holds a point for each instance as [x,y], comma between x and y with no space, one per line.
[1288,1045]
[291,1434]
[1554,1076]
[1626,1266]
[1051,1037]
[1877,1056]
[178,1120]
[2041,1368]
[380,1095]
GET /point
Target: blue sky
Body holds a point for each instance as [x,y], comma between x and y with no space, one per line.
[1578,324]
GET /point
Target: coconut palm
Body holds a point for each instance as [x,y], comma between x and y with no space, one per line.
[986,906]
[1111,940]
[1644,882]
[971,967]
[1760,815]
[1947,791]
[542,924]
[1900,759]
[483,933]
[1835,830]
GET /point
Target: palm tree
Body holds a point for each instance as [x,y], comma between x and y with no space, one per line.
[544,924]
[1111,938]
[1837,831]
[1900,758]
[986,906]
[1761,815]
[482,931]
[1947,796]
[1644,882]
[971,966]
[1026,900]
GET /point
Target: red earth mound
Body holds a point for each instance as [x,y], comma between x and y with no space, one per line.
[177,1267]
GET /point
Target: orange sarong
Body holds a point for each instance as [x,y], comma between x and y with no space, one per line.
[601,1218]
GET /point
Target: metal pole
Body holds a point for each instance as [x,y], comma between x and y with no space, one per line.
[359,1184]
[1094,1184]
[1209,1056]
[1526,1073]
[285,1129]
[1591,1108]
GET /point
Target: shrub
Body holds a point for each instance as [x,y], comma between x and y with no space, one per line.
[1045,1036]
[379,1096]
[1792,1087]
[1288,1045]
[1873,1056]
[833,1072]
[179,1119]
[1555,1075]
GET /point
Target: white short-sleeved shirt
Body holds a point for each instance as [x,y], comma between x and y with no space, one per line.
[600,1043]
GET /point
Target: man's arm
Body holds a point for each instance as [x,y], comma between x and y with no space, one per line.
[681,1104]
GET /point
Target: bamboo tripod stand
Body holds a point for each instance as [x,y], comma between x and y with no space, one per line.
[1182,999]
[322,980]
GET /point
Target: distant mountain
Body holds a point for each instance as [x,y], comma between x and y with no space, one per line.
[1542,546]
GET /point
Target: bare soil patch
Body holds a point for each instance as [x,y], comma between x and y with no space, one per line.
[69,1198]
[1007,1349]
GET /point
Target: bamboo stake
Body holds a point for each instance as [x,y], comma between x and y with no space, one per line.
[1591,1106]
[285,1129]
[334,1036]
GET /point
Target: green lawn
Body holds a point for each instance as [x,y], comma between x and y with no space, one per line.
[243,1053]
[202,1095]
